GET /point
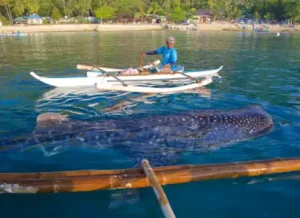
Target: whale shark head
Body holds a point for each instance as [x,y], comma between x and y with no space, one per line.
[255,121]
[218,128]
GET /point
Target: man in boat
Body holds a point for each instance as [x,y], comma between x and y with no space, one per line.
[169,55]
[168,65]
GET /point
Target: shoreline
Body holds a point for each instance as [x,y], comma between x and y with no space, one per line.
[78,27]
[137,27]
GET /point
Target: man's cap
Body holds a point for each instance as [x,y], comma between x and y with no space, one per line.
[171,39]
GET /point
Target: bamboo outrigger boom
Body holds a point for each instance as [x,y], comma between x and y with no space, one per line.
[91,180]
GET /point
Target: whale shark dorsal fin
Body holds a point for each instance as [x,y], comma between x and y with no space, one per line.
[51,118]
[52,123]
[254,108]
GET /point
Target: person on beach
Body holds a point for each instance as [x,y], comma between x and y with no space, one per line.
[169,55]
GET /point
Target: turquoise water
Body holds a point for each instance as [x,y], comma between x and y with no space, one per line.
[258,69]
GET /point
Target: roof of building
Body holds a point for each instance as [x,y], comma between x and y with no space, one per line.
[20,19]
[203,12]
[33,16]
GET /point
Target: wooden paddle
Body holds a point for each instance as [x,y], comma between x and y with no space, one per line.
[141,64]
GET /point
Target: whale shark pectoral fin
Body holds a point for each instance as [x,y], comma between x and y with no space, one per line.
[52,123]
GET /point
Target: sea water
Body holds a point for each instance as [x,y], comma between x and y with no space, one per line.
[259,68]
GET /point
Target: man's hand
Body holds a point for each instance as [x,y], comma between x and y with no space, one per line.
[143,55]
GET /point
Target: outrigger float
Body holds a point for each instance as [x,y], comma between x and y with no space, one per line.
[145,176]
[93,180]
[104,78]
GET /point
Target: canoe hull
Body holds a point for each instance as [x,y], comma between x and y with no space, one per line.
[136,79]
[15,34]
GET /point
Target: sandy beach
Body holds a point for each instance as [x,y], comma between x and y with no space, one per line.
[134,27]
[79,27]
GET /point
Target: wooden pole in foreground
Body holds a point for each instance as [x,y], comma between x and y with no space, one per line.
[92,180]
[159,192]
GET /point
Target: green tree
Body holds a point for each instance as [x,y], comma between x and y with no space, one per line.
[217,7]
[178,15]
[25,6]
[6,4]
[4,20]
[176,9]
[32,6]
[19,7]
[232,10]
[269,16]
[125,8]
[176,4]
[80,7]
[105,12]
[292,10]
[45,8]
[140,5]
[55,14]
[60,4]
[256,15]
[155,8]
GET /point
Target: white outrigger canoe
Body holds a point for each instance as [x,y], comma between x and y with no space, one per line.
[107,82]
[14,34]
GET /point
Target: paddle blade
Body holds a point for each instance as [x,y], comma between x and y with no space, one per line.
[93,74]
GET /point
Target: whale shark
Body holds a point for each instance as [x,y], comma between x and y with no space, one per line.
[159,138]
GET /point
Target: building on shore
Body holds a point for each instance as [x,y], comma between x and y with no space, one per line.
[34,19]
[202,16]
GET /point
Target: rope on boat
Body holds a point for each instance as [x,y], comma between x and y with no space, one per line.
[158,190]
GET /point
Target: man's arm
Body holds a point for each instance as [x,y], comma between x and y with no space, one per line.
[149,53]
[157,51]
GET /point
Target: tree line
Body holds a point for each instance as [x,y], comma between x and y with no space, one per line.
[176,10]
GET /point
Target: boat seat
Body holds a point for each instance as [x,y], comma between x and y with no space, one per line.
[179,68]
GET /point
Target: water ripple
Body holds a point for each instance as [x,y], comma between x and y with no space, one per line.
[258,69]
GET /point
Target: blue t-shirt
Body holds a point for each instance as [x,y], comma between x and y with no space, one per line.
[169,55]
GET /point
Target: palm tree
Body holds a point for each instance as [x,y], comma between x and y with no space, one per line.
[155,8]
[6,4]
[28,6]
[141,9]
[19,7]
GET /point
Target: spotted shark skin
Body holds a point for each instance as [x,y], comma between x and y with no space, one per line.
[158,138]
